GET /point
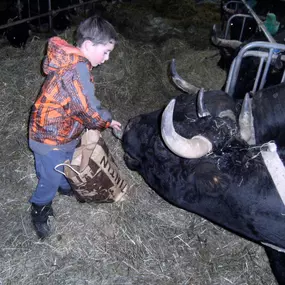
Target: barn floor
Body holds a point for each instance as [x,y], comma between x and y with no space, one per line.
[142,239]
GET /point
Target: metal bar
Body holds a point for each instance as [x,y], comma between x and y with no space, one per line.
[258,74]
[245,51]
[264,75]
[259,23]
[230,20]
[230,78]
[242,28]
[46,14]
[262,54]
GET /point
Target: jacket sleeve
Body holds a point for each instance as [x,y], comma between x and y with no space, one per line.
[85,107]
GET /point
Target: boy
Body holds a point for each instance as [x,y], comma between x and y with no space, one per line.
[66,106]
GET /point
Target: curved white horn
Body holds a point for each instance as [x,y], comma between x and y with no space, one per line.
[246,126]
[180,82]
[228,10]
[222,42]
[195,147]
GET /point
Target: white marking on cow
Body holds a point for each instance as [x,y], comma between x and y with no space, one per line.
[277,172]
[280,249]
[275,167]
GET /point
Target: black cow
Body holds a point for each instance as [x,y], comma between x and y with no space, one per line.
[194,155]
[61,21]
[268,122]
[16,35]
[249,28]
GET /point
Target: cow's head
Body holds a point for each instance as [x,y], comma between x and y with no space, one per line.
[191,126]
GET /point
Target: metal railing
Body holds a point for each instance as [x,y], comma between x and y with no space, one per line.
[229,22]
[269,51]
[50,13]
[265,51]
[251,14]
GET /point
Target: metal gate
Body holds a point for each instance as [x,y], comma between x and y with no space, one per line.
[244,17]
[265,51]
[49,13]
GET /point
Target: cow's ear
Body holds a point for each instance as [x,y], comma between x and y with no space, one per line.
[180,82]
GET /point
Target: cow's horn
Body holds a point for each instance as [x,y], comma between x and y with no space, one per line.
[202,110]
[181,83]
[228,10]
[246,121]
[222,42]
[195,147]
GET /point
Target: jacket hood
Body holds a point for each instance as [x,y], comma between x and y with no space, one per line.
[60,55]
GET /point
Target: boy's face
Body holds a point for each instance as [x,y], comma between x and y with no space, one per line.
[97,54]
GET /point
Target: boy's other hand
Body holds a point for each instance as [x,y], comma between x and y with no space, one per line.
[116,125]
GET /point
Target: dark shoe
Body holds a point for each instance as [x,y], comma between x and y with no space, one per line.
[66,192]
[40,215]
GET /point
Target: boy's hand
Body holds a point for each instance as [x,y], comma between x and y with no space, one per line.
[115,125]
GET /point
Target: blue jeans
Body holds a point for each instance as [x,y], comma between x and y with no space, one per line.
[49,180]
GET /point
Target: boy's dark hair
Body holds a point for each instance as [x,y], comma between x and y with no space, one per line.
[97,30]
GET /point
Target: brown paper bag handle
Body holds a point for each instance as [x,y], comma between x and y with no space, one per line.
[68,165]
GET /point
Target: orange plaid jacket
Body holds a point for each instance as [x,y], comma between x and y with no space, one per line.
[66,104]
